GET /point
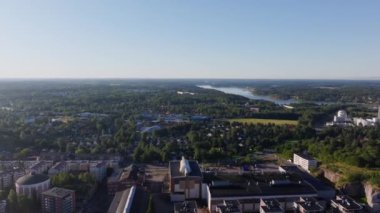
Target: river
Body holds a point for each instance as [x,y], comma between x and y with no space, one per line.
[248,94]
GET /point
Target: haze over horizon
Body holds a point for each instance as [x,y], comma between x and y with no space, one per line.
[190,39]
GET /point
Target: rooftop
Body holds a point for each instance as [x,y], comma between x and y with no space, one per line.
[58,192]
[268,184]
[310,204]
[185,207]
[174,167]
[347,203]
[315,183]
[38,165]
[271,205]
[119,199]
[130,173]
[31,179]
[230,206]
[59,165]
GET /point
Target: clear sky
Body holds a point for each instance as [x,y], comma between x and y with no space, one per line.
[321,39]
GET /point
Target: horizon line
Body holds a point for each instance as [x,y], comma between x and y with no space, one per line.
[196,78]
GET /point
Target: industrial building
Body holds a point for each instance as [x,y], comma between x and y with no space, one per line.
[131,200]
[289,189]
[250,189]
[185,178]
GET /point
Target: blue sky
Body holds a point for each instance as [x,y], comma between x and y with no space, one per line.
[274,39]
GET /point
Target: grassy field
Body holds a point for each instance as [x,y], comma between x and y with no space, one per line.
[264,121]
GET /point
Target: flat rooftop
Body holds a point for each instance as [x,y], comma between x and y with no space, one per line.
[58,192]
[271,205]
[311,206]
[120,199]
[139,201]
[315,183]
[257,185]
[185,207]
[347,203]
[229,206]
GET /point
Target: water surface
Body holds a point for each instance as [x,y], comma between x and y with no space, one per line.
[248,94]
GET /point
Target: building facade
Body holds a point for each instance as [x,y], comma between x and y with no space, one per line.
[3,206]
[305,161]
[99,170]
[32,183]
[58,168]
[185,180]
[58,200]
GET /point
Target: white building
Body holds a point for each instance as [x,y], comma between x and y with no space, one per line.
[365,121]
[32,183]
[305,161]
[340,119]
[368,121]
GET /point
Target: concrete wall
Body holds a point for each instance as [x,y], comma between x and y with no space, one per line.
[331,176]
[373,197]
[358,189]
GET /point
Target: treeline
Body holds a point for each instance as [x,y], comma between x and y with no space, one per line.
[344,94]
[217,141]
[356,146]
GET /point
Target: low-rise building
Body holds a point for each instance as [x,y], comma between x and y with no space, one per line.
[58,200]
[305,161]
